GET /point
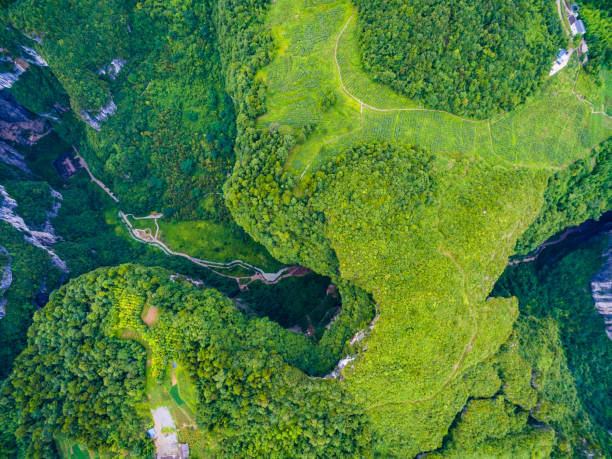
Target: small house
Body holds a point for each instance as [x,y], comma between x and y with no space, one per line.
[562,53]
[151,432]
[66,166]
[576,26]
[183,450]
[575,9]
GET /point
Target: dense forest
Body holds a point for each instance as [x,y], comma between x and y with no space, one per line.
[406,243]
[470,58]
[81,377]
[597,15]
[168,146]
[555,289]
[581,192]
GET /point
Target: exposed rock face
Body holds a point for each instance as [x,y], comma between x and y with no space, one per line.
[6,279]
[8,78]
[34,58]
[96,120]
[18,125]
[601,289]
[42,239]
[112,69]
[12,157]
[19,65]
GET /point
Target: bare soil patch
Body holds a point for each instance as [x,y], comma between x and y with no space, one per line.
[151,316]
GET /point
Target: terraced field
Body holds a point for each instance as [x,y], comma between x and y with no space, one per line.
[551,130]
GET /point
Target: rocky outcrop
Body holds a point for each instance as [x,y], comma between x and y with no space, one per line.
[95,120]
[6,279]
[111,70]
[43,238]
[10,76]
[33,57]
[12,157]
[601,289]
[18,65]
[18,125]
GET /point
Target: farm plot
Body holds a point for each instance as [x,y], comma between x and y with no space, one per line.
[316,80]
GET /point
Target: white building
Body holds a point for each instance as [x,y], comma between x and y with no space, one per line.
[576,25]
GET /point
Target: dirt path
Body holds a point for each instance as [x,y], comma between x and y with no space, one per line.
[148,238]
[243,281]
[583,100]
[377,109]
[565,29]
[93,178]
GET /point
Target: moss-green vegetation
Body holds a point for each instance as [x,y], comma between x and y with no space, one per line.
[309,302]
[414,210]
[30,267]
[597,15]
[553,128]
[327,180]
[580,192]
[470,58]
[557,289]
[213,241]
[257,405]
[169,144]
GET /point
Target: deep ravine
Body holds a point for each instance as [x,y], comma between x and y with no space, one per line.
[601,288]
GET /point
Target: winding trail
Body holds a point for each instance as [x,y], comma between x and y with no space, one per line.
[145,236]
[93,178]
[377,109]
[583,100]
[467,120]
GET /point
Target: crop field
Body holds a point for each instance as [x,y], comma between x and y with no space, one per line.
[71,450]
[552,129]
[597,91]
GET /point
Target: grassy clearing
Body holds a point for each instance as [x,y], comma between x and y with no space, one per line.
[212,241]
[186,388]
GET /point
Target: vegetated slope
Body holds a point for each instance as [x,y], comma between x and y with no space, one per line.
[29,266]
[333,181]
[473,58]
[556,289]
[581,192]
[83,374]
[168,144]
[597,15]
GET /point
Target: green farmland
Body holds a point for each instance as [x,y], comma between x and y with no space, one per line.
[551,130]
